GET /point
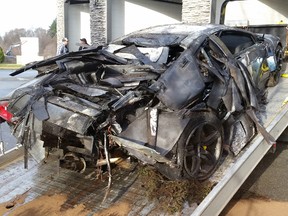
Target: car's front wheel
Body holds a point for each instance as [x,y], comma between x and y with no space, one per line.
[200,146]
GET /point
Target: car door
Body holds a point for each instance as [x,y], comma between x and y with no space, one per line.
[250,51]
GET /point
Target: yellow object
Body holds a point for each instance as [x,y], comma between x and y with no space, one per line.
[285,75]
[285,101]
[264,67]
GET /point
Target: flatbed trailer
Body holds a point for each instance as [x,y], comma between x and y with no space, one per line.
[89,189]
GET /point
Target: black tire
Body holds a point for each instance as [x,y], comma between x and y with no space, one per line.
[200,146]
[275,76]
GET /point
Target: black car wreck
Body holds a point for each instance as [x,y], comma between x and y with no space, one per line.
[172,96]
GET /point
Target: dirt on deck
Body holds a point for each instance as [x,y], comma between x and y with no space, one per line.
[44,189]
[52,206]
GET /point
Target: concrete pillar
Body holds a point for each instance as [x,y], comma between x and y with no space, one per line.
[60,20]
[98,22]
[196,11]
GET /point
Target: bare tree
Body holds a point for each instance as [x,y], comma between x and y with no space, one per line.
[47,41]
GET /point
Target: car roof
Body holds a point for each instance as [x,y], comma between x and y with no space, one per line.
[185,32]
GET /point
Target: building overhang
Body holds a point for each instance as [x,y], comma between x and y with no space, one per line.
[172,1]
[77,1]
[87,1]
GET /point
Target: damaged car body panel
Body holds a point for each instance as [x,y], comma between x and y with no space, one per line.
[172,96]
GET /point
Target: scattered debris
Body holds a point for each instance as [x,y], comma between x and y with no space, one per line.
[170,194]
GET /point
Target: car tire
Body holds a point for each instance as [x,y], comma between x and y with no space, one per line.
[275,76]
[200,146]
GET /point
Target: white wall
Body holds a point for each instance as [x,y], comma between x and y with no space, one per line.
[77,24]
[251,12]
[115,19]
[130,15]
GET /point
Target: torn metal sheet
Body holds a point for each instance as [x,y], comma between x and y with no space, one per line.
[89,91]
[170,96]
[241,132]
[180,83]
[152,155]
[69,119]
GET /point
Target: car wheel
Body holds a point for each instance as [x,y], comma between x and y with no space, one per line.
[200,146]
[275,76]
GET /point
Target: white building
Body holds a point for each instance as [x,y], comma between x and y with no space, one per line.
[100,21]
[29,50]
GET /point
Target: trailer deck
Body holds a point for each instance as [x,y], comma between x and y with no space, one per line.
[89,189]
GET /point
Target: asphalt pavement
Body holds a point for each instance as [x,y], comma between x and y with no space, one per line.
[269,179]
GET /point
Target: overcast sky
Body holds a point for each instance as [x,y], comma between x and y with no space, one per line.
[28,14]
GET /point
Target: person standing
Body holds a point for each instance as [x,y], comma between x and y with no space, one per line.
[63,47]
[83,44]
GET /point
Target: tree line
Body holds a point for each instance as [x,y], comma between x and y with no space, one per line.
[47,41]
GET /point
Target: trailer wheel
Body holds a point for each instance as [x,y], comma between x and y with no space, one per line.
[275,76]
[200,146]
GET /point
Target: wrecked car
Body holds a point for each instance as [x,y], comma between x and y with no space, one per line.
[171,96]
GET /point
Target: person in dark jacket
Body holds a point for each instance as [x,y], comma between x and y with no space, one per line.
[83,44]
[63,47]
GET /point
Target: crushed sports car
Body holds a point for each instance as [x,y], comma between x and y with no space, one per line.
[171,96]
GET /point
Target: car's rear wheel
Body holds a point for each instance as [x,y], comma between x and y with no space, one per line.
[275,76]
[200,146]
